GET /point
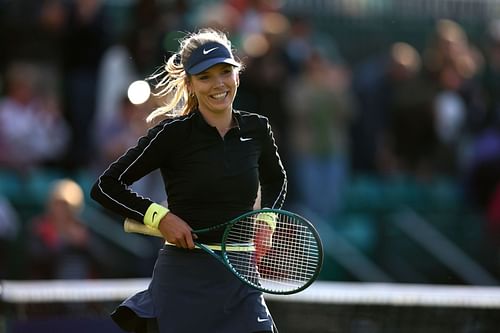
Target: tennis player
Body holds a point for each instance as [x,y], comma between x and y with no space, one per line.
[213,160]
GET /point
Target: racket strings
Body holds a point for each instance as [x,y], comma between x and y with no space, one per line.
[284,260]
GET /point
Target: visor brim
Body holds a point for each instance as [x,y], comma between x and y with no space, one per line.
[204,65]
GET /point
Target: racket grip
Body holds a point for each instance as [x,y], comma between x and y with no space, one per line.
[133,226]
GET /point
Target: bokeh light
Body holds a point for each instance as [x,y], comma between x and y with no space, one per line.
[138,92]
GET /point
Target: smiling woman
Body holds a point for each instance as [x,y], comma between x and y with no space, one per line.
[213,160]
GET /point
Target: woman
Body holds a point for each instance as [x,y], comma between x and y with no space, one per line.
[213,160]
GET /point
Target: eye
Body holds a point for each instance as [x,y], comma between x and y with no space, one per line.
[227,70]
[202,77]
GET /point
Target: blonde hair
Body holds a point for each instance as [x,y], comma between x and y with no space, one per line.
[172,79]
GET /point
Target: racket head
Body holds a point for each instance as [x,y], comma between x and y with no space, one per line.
[287,254]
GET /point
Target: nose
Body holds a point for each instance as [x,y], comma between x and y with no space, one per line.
[219,81]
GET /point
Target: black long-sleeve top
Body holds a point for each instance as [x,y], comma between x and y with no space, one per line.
[208,179]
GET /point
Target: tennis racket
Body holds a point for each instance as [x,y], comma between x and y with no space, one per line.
[274,251]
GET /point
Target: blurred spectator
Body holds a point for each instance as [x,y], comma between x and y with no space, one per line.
[84,43]
[409,142]
[299,46]
[60,244]
[452,66]
[32,129]
[321,109]
[9,230]
[303,39]
[377,84]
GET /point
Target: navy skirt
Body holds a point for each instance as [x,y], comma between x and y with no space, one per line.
[191,291]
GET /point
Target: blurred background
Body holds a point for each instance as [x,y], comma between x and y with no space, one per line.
[386,113]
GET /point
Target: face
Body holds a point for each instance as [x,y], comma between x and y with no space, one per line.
[215,88]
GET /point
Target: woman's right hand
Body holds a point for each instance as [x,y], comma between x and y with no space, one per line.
[176,231]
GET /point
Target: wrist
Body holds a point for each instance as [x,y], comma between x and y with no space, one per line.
[154,215]
[269,218]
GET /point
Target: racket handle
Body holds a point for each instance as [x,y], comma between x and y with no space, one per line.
[136,227]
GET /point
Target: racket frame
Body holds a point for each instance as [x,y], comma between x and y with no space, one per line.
[132,226]
[224,258]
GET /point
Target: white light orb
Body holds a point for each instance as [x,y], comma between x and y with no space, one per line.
[138,92]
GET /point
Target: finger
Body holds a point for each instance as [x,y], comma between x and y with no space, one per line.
[190,241]
[181,242]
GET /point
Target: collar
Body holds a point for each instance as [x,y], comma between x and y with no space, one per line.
[202,123]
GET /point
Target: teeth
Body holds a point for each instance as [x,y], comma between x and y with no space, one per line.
[219,96]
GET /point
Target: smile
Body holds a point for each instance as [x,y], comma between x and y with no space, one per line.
[220,95]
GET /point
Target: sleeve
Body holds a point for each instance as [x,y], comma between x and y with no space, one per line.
[272,174]
[112,188]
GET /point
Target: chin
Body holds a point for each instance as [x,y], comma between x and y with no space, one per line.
[221,107]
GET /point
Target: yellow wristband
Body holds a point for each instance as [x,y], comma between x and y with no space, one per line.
[269,218]
[154,214]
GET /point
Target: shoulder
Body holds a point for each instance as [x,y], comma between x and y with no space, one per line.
[173,125]
[251,119]
[176,122]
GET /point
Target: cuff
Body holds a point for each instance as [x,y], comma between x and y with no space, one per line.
[154,214]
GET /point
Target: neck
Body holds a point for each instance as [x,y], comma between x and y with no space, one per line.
[222,121]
